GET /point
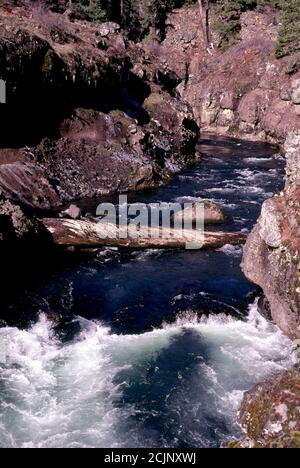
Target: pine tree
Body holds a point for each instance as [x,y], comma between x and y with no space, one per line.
[289,33]
[229,23]
[93,10]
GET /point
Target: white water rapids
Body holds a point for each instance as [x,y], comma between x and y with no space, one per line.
[75,394]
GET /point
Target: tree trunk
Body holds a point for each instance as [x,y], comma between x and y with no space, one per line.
[204,20]
[68,232]
[208,35]
[122,12]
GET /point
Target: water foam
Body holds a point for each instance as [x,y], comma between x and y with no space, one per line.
[56,394]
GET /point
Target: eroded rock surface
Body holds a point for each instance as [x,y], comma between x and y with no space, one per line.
[15,224]
[244,91]
[271,255]
[80,120]
[270,413]
[211,214]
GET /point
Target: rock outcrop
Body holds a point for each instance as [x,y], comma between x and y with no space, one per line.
[102,153]
[213,215]
[270,413]
[272,251]
[16,225]
[79,121]
[243,92]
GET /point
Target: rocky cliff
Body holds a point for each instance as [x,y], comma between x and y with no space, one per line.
[79,121]
[272,252]
[243,92]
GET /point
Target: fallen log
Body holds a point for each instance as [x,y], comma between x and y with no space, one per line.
[84,233]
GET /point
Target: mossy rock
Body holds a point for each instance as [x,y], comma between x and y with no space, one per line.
[270,413]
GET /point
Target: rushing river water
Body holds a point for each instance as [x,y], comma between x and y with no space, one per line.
[146,349]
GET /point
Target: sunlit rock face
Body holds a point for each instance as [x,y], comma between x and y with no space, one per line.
[271,257]
[244,91]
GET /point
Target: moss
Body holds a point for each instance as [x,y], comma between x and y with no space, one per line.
[291,440]
[269,413]
[132,173]
[233,444]
[256,413]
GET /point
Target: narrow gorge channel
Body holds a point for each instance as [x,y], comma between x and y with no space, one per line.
[152,348]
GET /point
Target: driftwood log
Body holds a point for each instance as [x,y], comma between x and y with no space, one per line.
[86,233]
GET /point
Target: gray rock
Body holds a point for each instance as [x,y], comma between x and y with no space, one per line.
[138,71]
[227,100]
[211,214]
[295,93]
[105,29]
[292,149]
[272,252]
[73,212]
[269,221]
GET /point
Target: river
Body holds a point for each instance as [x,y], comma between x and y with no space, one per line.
[152,348]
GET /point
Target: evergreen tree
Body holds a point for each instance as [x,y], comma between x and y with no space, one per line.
[93,10]
[228,23]
[289,33]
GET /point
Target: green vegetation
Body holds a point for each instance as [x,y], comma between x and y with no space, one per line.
[289,34]
[228,22]
[139,17]
[93,10]
[136,16]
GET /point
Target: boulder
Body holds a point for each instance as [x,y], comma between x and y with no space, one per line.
[270,413]
[270,224]
[100,153]
[73,212]
[15,224]
[212,213]
[252,105]
[108,28]
[171,118]
[28,184]
[295,92]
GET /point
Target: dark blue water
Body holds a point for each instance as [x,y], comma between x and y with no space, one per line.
[146,348]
